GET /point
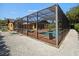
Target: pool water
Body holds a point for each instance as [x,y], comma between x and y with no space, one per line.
[53,33]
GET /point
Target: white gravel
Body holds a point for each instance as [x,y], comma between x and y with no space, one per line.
[21,45]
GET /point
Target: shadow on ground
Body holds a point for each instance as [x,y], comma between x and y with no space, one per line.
[4,50]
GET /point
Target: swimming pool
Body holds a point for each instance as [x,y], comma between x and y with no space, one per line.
[53,33]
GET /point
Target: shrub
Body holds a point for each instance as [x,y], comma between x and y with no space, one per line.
[3,28]
[51,26]
[76,26]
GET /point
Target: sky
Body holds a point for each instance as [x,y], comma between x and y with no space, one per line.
[15,10]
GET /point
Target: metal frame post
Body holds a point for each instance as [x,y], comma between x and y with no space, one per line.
[27,25]
[37,25]
[56,25]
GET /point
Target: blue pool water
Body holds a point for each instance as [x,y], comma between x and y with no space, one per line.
[47,33]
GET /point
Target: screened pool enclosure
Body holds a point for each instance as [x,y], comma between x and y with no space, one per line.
[49,25]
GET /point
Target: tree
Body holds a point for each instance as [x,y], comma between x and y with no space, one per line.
[73,14]
[3,22]
[77,27]
[51,26]
[18,23]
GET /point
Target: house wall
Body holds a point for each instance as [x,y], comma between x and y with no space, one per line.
[29,26]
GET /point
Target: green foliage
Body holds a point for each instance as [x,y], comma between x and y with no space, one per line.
[51,26]
[3,25]
[3,28]
[73,14]
[3,22]
[76,26]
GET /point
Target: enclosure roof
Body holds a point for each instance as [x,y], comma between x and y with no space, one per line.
[42,10]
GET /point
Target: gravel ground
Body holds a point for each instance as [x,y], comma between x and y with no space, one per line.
[21,45]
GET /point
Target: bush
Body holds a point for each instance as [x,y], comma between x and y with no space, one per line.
[76,26]
[3,28]
[51,26]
